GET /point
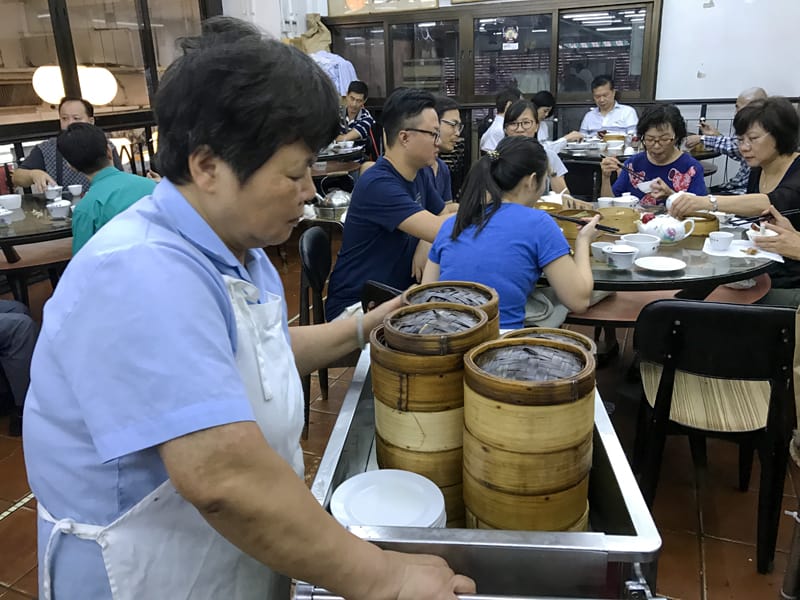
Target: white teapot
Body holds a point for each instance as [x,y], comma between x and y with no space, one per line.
[666,228]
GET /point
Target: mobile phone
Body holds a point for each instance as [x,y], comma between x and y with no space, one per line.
[375,292]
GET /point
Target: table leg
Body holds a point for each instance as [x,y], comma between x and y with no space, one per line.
[11,254]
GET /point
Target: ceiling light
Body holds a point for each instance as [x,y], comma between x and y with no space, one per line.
[432,24]
[614,28]
[582,16]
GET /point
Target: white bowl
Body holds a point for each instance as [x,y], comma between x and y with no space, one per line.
[75,190]
[646,244]
[626,201]
[605,202]
[53,193]
[753,235]
[59,209]
[10,201]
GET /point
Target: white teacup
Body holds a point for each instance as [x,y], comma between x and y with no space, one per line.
[646,244]
[597,250]
[626,200]
[59,209]
[620,256]
[75,190]
[53,192]
[605,202]
[720,240]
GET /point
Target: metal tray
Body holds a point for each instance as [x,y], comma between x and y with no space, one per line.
[617,559]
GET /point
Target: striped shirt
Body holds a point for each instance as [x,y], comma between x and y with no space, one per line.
[362,123]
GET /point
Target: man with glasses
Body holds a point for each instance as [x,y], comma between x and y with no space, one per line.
[450,128]
[728,145]
[609,116]
[394,206]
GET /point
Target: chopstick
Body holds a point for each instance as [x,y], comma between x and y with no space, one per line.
[785,213]
[582,222]
[622,166]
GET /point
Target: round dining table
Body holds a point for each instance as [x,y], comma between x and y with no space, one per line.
[697,280]
[29,224]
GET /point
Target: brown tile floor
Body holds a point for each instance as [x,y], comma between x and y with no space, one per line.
[708,529]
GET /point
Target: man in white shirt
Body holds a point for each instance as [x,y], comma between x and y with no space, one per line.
[609,116]
[495,133]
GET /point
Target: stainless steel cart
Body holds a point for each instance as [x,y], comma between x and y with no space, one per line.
[617,559]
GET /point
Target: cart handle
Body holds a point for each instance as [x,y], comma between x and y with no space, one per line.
[303,591]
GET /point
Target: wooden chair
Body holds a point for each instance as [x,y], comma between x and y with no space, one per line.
[703,375]
[315,260]
[51,256]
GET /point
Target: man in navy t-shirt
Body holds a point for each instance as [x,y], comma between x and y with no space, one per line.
[393,206]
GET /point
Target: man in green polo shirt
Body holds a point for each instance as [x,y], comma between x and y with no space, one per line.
[111,191]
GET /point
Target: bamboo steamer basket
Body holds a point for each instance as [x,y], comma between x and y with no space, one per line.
[621,217]
[454,504]
[528,426]
[554,511]
[553,333]
[704,223]
[435,328]
[408,381]
[527,473]
[582,524]
[571,229]
[459,292]
[549,207]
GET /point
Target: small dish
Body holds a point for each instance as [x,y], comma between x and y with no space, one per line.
[753,235]
[660,264]
[645,186]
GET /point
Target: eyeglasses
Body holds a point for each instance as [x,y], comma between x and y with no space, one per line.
[663,140]
[434,134]
[457,125]
[521,125]
[750,140]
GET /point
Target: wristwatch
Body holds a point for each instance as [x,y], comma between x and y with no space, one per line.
[713,200]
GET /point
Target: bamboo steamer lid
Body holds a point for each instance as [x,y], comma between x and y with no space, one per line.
[571,229]
[414,382]
[541,512]
[552,333]
[582,524]
[548,206]
[621,217]
[527,473]
[468,293]
[435,328]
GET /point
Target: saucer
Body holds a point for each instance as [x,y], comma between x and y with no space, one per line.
[660,264]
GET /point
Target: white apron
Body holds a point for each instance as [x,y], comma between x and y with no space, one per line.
[162,547]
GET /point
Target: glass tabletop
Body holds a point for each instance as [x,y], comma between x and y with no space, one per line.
[703,272]
[32,223]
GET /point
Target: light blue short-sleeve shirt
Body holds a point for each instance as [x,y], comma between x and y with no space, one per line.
[137,347]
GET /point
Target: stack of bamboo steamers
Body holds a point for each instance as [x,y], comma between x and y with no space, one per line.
[502,426]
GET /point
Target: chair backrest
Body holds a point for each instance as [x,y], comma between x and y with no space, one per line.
[485,123]
[713,339]
[315,257]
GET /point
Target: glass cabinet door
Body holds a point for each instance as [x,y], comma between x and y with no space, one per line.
[601,42]
[512,51]
[363,46]
[425,55]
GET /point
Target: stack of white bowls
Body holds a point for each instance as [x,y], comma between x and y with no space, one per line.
[389,498]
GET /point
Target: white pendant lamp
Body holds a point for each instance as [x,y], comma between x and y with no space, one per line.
[98,84]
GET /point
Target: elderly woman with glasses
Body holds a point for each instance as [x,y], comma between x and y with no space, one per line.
[767,132]
[663,168]
[522,119]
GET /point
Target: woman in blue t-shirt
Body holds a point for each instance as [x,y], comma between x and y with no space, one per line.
[663,164]
[497,239]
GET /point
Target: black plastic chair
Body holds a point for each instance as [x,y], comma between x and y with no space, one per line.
[696,344]
[315,260]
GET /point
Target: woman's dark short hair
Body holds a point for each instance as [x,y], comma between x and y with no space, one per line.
[358,87]
[515,111]
[243,100]
[85,147]
[778,118]
[445,103]
[544,98]
[659,115]
[402,108]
